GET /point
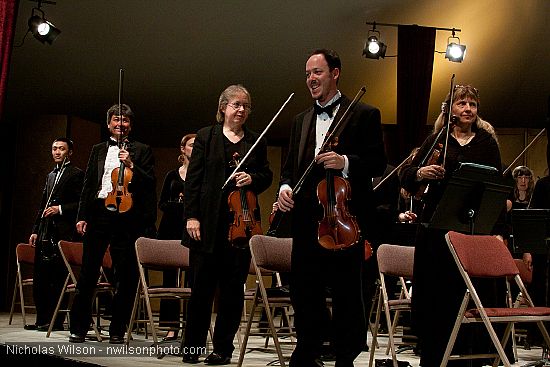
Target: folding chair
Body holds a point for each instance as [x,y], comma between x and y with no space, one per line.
[71,252]
[478,256]
[24,255]
[160,255]
[393,261]
[269,255]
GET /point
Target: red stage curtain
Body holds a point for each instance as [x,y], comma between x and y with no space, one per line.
[8,16]
[416,46]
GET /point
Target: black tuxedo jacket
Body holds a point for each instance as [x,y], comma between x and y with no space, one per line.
[65,193]
[360,140]
[142,185]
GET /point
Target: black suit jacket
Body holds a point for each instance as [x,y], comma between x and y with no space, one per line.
[360,140]
[142,185]
[65,193]
[206,176]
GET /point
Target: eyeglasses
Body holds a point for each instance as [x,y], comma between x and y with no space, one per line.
[237,106]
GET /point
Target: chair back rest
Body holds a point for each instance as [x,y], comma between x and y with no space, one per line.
[395,260]
[271,253]
[161,254]
[25,253]
[107,260]
[525,273]
[71,252]
[482,256]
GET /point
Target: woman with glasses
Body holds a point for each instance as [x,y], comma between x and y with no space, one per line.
[171,228]
[472,140]
[215,262]
[525,184]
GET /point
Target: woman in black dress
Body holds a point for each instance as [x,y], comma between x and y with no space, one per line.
[215,262]
[171,226]
[438,286]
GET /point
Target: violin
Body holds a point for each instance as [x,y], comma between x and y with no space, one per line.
[338,229]
[242,203]
[120,198]
[433,159]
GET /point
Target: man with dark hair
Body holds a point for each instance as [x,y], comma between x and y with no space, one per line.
[111,225]
[54,222]
[358,157]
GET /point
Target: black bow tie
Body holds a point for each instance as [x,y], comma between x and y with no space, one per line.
[114,142]
[328,109]
[58,167]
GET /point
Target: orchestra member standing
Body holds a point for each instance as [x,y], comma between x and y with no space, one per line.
[358,157]
[215,261]
[438,286]
[54,222]
[103,227]
[171,227]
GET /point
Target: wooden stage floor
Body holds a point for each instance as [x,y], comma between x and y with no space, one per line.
[18,345]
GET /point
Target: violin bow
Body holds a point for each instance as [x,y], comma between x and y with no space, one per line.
[257,141]
[449,118]
[392,172]
[57,178]
[523,151]
[120,81]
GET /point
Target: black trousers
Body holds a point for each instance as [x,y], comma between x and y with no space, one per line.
[226,269]
[313,270]
[48,279]
[120,232]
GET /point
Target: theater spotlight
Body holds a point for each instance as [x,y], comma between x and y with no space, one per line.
[455,51]
[374,49]
[41,29]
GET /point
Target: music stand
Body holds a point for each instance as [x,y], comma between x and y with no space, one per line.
[472,200]
[531,233]
[531,230]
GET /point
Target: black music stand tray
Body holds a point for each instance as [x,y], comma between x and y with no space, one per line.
[531,230]
[472,200]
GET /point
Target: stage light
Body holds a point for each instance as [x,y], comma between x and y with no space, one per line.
[374,49]
[42,29]
[455,51]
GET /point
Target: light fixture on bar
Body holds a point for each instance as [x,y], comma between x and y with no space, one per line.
[455,51]
[42,29]
[374,48]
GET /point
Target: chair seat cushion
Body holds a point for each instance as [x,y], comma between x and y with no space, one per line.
[169,290]
[506,312]
[399,302]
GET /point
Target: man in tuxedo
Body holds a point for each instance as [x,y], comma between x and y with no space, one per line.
[54,222]
[118,228]
[358,157]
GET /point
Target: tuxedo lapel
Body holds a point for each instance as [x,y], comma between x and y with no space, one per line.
[308,120]
[101,156]
[64,175]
